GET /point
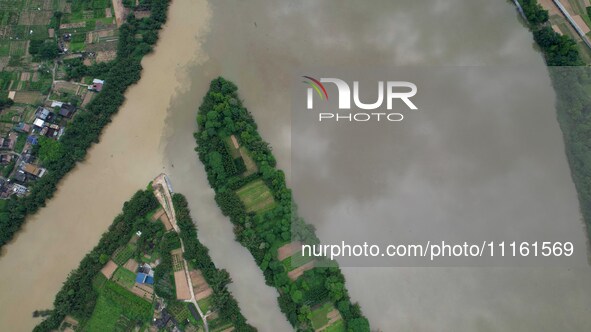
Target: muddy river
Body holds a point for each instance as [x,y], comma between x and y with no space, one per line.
[259,45]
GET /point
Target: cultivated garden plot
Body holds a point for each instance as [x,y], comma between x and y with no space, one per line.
[256,197]
[133,278]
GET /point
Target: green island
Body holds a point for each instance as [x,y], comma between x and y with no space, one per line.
[573,92]
[253,194]
[64,68]
[149,272]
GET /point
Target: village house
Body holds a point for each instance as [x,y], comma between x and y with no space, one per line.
[27,157]
[145,274]
[67,110]
[20,176]
[10,141]
[5,158]
[5,189]
[38,123]
[43,113]
[51,131]
[18,189]
[33,170]
[23,128]
[32,140]
[97,85]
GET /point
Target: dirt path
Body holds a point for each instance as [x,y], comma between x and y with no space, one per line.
[119,10]
[333,317]
[162,191]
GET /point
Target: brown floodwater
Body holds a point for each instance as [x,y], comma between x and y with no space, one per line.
[259,45]
[130,154]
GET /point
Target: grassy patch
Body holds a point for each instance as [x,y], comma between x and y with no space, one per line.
[256,196]
[204,304]
[105,315]
[38,32]
[251,166]
[98,281]
[123,254]
[76,47]
[218,325]
[151,258]
[124,277]
[338,326]
[296,260]
[6,170]
[134,307]
[233,151]
[319,316]
[18,48]
[179,311]
[4,47]
[21,140]
[7,115]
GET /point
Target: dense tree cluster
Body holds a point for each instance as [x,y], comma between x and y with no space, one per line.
[77,297]
[87,126]
[43,49]
[5,102]
[222,301]
[559,50]
[573,101]
[221,115]
[534,12]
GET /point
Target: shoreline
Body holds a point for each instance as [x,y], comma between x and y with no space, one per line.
[98,185]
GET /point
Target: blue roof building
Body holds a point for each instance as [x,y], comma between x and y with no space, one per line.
[143,278]
[33,140]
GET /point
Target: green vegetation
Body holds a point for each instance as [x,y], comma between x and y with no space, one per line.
[296,260]
[197,255]
[133,306]
[573,101]
[256,197]
[205,304]
[124,277]
[109,305]
[260,207]
[43,49]
[124,253]
[117,306]
[49,149]
[86,127]
[5,102]
[21,140]
[534,12]
[179,311]
[79,294]
[319,317]
[164,276]
[105,315]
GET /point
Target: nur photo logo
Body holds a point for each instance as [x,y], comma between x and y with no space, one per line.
[388,90]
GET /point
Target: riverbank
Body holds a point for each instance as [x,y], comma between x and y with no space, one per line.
[87,127]
[256,199]
[570,85]
[130,152]
[138,243]
[400,34]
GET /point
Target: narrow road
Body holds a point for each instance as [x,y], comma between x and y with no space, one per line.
[162,191]
[572,22]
